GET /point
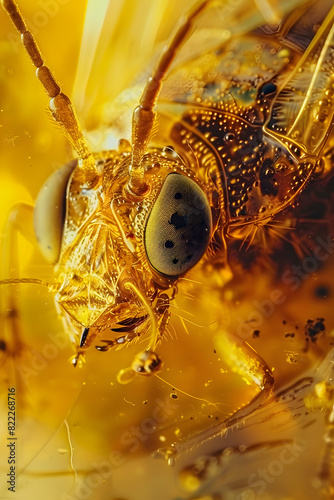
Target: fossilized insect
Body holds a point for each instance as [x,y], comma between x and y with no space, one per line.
[221,143]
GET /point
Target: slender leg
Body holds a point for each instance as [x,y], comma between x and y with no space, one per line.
[242,359]
[20,220]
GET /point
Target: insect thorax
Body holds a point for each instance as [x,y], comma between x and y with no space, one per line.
[254,175]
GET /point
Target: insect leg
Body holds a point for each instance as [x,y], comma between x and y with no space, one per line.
[60,105]
[243,360]
[19,221]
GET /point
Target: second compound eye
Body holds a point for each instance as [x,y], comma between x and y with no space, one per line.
[179,227]
[49,212]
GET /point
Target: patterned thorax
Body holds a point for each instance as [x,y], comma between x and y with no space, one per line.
[256,176]
[222,119]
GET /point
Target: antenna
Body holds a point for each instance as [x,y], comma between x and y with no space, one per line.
[60,104]
[144,115]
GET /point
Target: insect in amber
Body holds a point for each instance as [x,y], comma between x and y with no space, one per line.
[224,142]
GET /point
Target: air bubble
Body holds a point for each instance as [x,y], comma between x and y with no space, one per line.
[229,137]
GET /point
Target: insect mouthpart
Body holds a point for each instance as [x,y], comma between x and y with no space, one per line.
[129,324]
[128,333]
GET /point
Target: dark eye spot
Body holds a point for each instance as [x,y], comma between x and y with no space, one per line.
[178,196]
[169,244]
[175,261]
[189,257]
[178,221]
[322,292]
[268,88]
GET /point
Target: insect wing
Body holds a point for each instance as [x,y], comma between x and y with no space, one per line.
[107,66]
[248,97]
[309,120]
[106,50]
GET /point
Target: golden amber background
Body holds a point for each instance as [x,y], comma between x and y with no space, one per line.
[80,433]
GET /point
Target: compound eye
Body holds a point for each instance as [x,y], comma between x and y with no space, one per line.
[49,212]
[179,226]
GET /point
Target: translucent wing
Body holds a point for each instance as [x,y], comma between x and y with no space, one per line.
[118,42]
[307,121]
[219,24]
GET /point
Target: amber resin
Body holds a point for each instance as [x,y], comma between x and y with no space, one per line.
[168,328]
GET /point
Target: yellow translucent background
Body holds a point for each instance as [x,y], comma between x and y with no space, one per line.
[74,426]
